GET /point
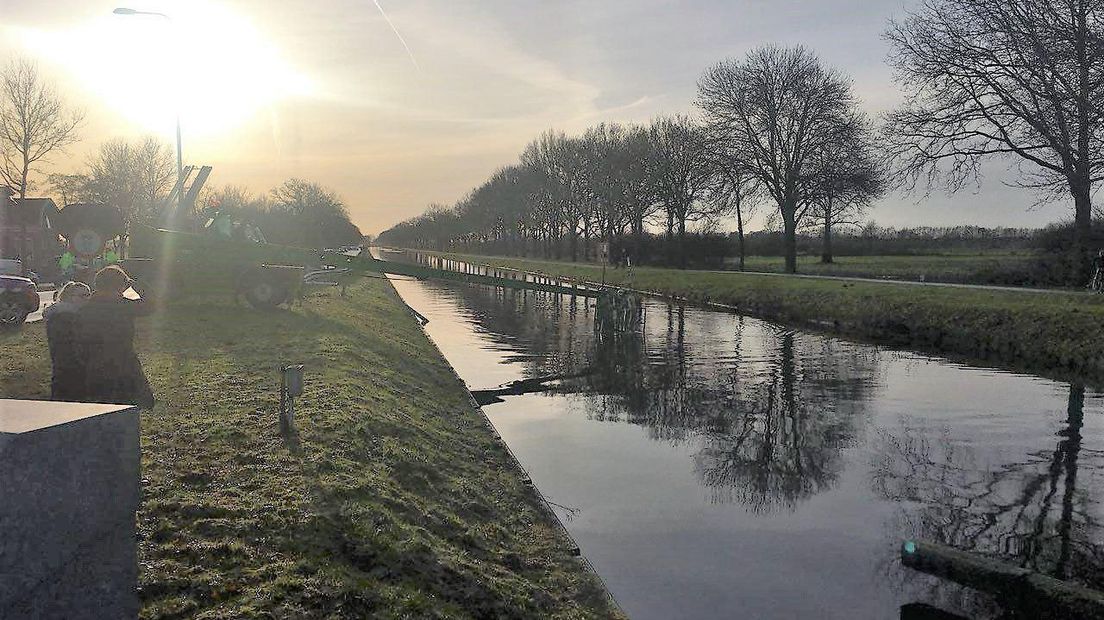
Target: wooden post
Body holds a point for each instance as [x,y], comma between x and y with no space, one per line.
[1019,588]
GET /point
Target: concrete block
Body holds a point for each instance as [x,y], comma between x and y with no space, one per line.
[69,490]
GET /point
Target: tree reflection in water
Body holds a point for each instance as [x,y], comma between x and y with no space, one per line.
[767,414]
[771,409]
[789,424]
[1031,512]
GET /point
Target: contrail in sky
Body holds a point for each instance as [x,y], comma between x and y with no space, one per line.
[397,34]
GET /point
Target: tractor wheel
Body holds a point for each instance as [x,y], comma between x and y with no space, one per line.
[265,294]
[12,315]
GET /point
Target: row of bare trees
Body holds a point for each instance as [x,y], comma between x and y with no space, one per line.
[775,128]
[1018,80]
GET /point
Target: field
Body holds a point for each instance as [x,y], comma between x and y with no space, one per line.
[398,501]
[1059,334]
[987,268]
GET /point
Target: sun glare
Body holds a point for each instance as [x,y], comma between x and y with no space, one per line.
[207,63]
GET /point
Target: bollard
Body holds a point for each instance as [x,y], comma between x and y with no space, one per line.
[291,385]
[69,490]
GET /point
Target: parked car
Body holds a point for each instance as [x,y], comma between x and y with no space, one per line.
[14,267]
[18,298]
[11,267]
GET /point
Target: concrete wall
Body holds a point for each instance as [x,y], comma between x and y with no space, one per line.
[69,490]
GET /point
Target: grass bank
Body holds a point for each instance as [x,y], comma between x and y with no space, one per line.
[400,502]
[1055,334]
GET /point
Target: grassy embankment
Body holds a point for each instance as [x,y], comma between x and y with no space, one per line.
[400,502]
[1055,334]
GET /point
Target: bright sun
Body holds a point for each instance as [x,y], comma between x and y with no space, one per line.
[208,64]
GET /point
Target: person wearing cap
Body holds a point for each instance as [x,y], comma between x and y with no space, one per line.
[107,335]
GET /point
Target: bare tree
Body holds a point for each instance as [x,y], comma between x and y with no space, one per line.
[733,191]
[1003,78]
[847,177]
[34,122]
[155,170]
[680,172]
[133,177]
[775,110]
[611,178]
[308,214]
[69,188]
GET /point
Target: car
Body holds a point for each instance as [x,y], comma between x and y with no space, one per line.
[14,267]
[18,298]
[11,267]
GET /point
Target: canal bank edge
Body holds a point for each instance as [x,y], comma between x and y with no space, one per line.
[526,479]
[1058,335]
[400,502]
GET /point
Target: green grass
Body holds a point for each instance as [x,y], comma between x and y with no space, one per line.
[1056,334]
[400,502]
[981,268]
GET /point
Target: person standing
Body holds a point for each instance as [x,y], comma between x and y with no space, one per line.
[65,265]
[67,359]
[107,336]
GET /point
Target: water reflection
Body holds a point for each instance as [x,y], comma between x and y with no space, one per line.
[717,460]
[1030,511]
[788,424]
[770,408]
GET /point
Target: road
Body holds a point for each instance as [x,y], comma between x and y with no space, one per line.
[45,298]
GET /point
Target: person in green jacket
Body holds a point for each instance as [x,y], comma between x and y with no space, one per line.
[65,265]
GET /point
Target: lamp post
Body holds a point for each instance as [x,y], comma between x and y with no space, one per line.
[179,147]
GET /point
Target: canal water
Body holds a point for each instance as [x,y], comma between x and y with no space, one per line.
[715,465]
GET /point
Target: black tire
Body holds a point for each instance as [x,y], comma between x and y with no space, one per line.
[264,294]
[12,316]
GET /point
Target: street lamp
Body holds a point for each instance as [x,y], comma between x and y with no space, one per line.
[179,148]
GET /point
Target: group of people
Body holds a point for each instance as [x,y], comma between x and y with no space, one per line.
[90,331]
[69,266]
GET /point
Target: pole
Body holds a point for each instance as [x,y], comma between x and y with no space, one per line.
[179,171]
[179,144]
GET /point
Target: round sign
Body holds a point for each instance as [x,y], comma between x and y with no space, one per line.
[87,242]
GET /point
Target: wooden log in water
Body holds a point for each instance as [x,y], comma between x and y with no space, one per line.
[1019,588]
[922,611]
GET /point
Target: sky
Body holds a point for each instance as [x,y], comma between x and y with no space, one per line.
[397,104]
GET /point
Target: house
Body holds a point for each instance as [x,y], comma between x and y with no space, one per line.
[27,231]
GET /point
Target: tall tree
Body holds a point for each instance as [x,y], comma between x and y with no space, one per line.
[312,216]
[1004,78]
[776,109]
[680,171]
[622,189]
[846,178]
[34,122]
[133,177]
[733,192]
[551,156]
